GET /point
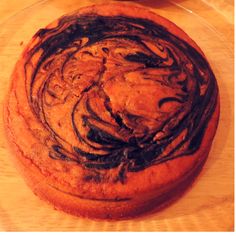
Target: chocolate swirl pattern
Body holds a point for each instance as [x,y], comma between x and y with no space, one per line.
[118,92]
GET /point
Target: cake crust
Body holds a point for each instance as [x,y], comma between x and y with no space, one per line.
[94,188]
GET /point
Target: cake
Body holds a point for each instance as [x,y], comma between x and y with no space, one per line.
[111,112]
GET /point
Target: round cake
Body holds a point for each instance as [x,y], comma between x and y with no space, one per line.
[111,112]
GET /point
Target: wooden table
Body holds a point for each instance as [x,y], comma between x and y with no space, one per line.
[209,204]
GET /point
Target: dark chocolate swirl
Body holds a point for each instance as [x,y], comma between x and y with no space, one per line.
[119,92]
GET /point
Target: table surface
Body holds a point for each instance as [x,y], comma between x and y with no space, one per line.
[209,204]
